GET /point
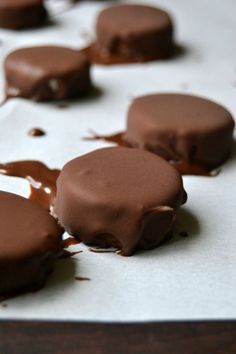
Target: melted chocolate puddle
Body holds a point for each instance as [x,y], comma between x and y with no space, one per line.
[36,132]
[184,167]
[82,278]
[42,179]
[70,241]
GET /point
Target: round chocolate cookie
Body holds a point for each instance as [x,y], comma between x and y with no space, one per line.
[30,240]
[19,14]
[47,73]
[191,132]
[120,197]
[132,33]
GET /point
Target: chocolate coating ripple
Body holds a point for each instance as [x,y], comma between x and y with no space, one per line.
[47,73]
[133,33]
[30,240]
[181,128]
[121,197]
[20,14]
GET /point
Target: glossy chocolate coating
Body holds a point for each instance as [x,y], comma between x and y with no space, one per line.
[47,73]
[30,240]
[20,14]
[133,33]
[121,197]
[181,128]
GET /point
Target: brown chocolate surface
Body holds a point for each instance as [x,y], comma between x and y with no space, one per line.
[119,197]
[42,179]
[20,14]
[30,240]
[193,133]
[132,33]
[47,73]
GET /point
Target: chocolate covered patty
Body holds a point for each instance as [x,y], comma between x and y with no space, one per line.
[132,33]
[47,73]
[121,197]
[19,14]
[183,129]
[30,240]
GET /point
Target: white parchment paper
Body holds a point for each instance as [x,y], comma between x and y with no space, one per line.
[188,278]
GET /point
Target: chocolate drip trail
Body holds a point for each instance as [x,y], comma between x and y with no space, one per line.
[117,138]
[42,179]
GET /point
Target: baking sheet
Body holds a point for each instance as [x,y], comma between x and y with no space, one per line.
[188,278]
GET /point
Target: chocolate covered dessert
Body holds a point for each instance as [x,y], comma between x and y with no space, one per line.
[120,197]
[132,33]
[20,14]
[193,133]
[30,241]
[47,73]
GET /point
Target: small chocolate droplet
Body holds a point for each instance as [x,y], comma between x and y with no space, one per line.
[36,132]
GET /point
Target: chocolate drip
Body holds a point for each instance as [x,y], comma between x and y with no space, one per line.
[117,138]
[42,179]
[82,278]
[70,241]
[36,132]
[68,254]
